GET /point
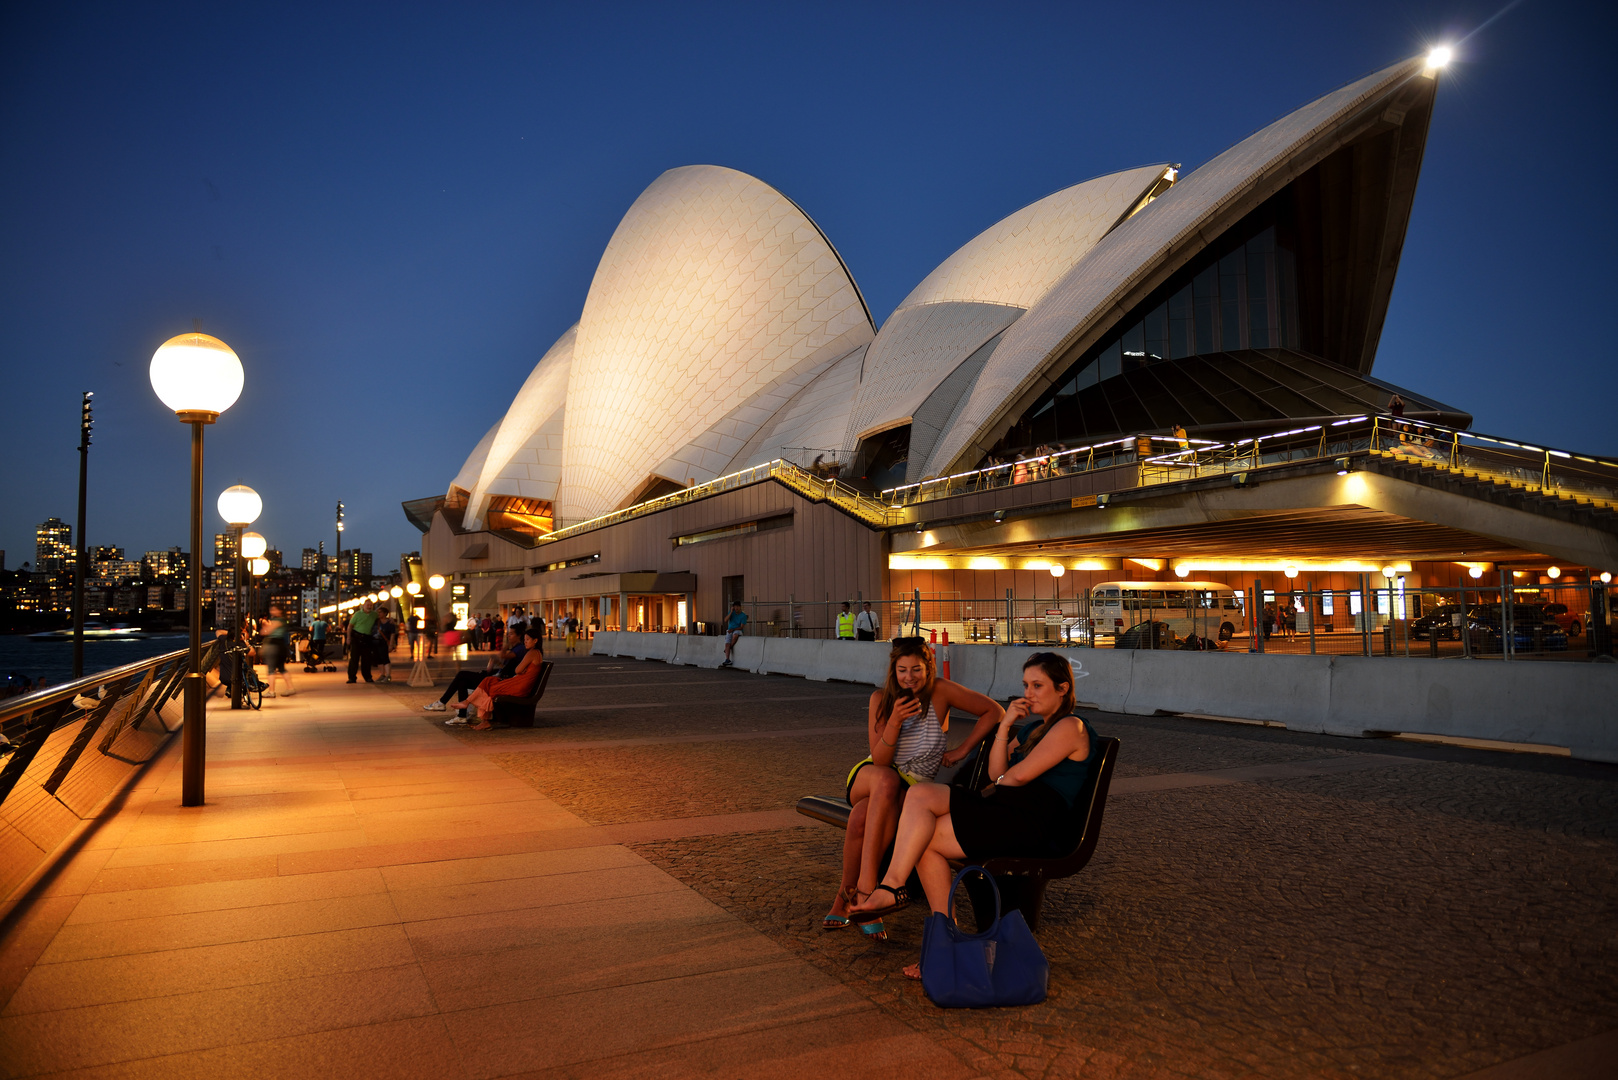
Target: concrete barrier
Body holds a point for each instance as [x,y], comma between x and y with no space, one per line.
[1567,705]
[604,643]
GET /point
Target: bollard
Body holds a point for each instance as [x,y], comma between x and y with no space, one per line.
[932,637]
[943,656]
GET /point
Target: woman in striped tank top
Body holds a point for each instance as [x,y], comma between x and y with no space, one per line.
[907,722]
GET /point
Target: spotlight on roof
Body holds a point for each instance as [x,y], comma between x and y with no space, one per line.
[1101,501]
[1242,480]
[1342,466]
[1440,57]
[999,515]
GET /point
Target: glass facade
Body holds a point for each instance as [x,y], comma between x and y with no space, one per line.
[1241,293]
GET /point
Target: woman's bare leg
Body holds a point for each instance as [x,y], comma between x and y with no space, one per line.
[933,868]
[924,805]
[881,822]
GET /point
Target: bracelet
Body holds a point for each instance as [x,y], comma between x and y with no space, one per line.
[885,742]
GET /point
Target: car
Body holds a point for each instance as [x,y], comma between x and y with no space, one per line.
[1571,622]
[1531,630]
[1146,635]
[1443,621]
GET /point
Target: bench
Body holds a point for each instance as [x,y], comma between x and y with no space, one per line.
[1021,881]
[519,712]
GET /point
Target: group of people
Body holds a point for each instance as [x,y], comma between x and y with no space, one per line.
[1039,762]
[490,633]
[513,671]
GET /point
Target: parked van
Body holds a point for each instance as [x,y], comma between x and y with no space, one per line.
[1205,608]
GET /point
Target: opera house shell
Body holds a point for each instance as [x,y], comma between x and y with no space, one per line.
[722,331]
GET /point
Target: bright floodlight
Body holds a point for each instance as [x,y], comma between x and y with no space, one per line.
[253,545]
[1057,569]
[196,375]
[413,589]
[240,505]
[260,566]
[1554,572]
[1439,57]
[436,582]
[1475,572]
[396,592]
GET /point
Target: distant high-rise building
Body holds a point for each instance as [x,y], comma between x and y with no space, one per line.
[224,560]
[105,553]
[166,564]
[357,565]
[312,559]
[53,547]
[274,555]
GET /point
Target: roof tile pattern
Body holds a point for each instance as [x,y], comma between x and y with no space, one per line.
[981,289]
[472,467]
[525,457]
[1092,288]
[713,287]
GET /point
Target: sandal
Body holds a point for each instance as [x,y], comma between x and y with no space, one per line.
[839,922]
[901,900]
[874,930]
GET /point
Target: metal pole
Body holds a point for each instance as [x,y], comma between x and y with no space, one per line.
[1505,615]
[193,739]
[80,562]
[1255,642]
[1309,595]
[236,630]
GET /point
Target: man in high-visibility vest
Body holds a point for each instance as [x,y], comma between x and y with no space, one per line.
[845,624]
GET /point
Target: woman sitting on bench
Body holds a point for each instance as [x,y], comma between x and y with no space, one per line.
[521,683]
[906,721]
[1040,760]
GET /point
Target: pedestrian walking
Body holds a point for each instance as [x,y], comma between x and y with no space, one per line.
[386,634]
[413,632]
[277,641]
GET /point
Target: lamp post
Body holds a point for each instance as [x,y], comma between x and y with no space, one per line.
[240,506]
[1057,570]
[337,578]
[80,564]
[199,377]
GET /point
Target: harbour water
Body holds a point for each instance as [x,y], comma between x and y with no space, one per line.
[53,659]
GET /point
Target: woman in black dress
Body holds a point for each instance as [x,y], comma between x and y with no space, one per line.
[1039,762]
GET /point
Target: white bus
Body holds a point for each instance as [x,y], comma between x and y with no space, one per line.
[1206,608]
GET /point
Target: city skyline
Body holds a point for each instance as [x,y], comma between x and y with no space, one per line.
[390,265]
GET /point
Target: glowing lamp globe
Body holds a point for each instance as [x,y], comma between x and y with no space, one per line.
[1291,571]
[413,589]
[396,592]
[253,545]
[1388,572]
[260,566]
[1554,572]
[240,505]
[1475,572]
[1057,570]
[197,376]
[1606,577]
[1182,571]
[436,582]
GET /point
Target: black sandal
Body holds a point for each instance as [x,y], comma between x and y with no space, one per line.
[901,900]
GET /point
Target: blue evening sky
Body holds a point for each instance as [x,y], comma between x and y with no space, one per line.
[391,210]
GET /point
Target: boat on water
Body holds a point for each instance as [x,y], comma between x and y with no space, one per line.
[94,631]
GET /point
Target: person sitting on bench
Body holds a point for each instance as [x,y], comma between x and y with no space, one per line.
[1040,760]
[503,664]
[520,685]
[905,726]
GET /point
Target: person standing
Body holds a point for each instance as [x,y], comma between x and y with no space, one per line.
[572,633]
[733,631]
[317,640]
[413,632]
[865,625]
[360,626]
[845,623]
[432,636]
[387,636]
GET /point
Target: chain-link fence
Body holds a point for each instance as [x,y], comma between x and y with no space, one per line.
[1378,618]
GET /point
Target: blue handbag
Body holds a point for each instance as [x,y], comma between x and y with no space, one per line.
[1003,965]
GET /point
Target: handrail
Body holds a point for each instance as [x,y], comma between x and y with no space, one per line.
[28,721]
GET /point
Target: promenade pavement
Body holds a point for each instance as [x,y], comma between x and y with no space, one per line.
[625,891]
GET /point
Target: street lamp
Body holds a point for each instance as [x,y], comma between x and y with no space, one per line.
[240,506]
[199,377]
[1057,570]
[253,545]
[435,582]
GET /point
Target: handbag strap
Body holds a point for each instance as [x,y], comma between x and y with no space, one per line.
[956,884]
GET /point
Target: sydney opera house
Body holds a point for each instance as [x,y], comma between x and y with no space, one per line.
[1147,373]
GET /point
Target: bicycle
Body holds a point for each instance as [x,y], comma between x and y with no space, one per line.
[252,687]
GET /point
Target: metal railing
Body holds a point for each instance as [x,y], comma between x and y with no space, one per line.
[805,483]
[1536,621]
[1164,459]
[48,737]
